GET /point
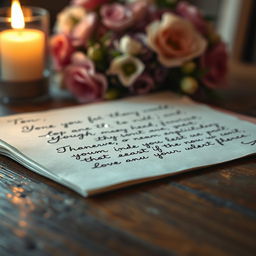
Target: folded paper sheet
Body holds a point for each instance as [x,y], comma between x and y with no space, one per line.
[103,146]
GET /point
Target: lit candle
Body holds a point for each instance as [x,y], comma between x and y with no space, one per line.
[22,50]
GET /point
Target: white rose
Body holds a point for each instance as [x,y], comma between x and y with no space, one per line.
[175,40]
[127,68]
[68,18]
[130,46]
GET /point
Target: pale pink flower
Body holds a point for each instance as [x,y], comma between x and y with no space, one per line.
[83,30]
[175,40]
[139,9]
[80,59]
[83,81]
[116,16]
[215,61]
[119,17]
[61,50]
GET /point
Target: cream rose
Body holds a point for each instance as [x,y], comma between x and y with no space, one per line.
[175,40]
[68,18]
[128,45]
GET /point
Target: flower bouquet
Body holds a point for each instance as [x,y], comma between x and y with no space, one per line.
[108,49]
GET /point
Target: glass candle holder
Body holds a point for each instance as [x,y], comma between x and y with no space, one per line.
[23,56]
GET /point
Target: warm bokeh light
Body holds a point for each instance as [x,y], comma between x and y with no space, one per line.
[17,17]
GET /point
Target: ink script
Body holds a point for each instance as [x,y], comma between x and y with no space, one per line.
[101,145]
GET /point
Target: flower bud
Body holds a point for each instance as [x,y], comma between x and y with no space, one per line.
[189,85]
[188,67]
[112,94]
[95,53]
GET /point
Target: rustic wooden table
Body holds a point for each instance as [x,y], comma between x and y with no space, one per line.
[211,211]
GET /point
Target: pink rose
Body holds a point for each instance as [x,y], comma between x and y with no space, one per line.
[80,59]
[83,30]
[139,9]
[89,4]
[116,16]
[83,81]
[61,50]
[144,84]
[175,40]
[192,14]
[216,61]
[119,17]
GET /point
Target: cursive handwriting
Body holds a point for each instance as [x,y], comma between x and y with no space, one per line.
[252,143]
[126,137]
[18,121]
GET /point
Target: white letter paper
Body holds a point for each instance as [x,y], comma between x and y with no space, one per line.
[104,146]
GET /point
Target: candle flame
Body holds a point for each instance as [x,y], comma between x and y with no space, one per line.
[17,17]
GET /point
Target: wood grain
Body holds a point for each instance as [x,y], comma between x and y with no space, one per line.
[207,212]
[211,211]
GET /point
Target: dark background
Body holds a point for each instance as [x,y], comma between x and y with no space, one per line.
[53,6]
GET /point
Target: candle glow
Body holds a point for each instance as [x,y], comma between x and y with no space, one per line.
[17,17]
[22,49]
